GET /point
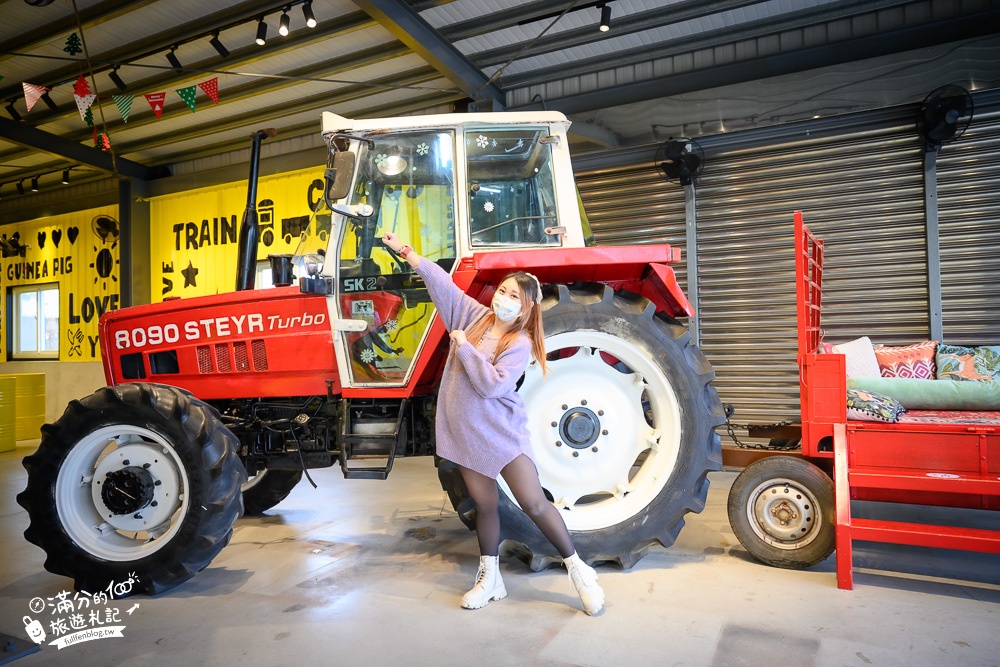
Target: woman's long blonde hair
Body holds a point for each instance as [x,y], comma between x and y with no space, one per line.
[530,321]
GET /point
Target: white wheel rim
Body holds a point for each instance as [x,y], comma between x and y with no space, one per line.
[633,460]
[784,514]
[253,481]
[98,529]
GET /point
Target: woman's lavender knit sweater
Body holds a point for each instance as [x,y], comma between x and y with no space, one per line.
[481,422]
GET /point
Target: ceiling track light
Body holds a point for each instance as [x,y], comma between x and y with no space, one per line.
[307,12]
[12,111]
[605,17]
[116,79]
[34,184]
[49,103]
[261,32]
[20,187]
[173,60]
[284,23]
[65,178]
[218,45]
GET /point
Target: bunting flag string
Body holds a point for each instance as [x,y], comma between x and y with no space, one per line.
[156,102]
[211,88]
[84,98]
[188,95]
[32,93]
[124,104]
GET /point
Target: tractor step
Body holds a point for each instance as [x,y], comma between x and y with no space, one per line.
[370,435]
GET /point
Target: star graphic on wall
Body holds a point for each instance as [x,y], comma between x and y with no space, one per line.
[189,275]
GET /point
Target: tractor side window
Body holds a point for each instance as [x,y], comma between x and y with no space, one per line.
[408,180]
[511,187]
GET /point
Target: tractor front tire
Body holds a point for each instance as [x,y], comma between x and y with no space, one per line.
[138,483]
[623,428]
[268,488]
[781,509]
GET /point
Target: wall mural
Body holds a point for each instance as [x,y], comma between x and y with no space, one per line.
[193,235]
[79,253]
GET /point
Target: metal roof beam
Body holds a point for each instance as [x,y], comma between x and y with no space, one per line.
[408,27]
[833,53]
[30,137]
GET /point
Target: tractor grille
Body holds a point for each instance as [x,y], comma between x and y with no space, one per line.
[224,359]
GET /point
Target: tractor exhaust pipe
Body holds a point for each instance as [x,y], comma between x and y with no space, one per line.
[246,263]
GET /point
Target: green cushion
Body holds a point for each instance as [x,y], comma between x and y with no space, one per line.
[933,394]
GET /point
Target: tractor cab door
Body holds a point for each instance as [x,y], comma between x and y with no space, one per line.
[407,179]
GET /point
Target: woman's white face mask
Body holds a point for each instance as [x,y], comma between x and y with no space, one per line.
[505,308]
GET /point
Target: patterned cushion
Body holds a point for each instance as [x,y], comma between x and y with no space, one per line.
[871,407]
[968,363]
[861,361]
[911,361]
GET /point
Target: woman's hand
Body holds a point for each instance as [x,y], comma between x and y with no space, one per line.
[392,242]
[459,337]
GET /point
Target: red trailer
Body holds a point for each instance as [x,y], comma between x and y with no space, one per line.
[788,512]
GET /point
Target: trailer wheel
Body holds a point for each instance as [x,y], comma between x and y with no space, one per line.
[781,509]
[623,427]
[268,488]
[137,482]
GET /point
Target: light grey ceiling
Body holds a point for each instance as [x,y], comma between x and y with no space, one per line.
[666,67]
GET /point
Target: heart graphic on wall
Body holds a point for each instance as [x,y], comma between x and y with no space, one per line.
[56,236]
[41,239]
[71,234]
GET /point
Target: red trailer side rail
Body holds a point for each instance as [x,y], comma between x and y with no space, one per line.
[953,464]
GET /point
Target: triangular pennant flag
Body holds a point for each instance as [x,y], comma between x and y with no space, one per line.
[32,93]
[156,102]
[188,94]
[81,87]
[124,104]
[83,103]
[211,88]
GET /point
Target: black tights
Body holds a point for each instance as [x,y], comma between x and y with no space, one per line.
[522,478]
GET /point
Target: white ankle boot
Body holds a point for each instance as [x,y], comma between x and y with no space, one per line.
[584,578]
[489,584]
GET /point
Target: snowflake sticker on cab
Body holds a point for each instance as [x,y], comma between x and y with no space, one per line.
[85,616]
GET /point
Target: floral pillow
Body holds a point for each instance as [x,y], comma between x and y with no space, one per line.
[910,361]
[980,364]
[871,407]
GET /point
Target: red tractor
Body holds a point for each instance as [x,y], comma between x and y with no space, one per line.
[217,405]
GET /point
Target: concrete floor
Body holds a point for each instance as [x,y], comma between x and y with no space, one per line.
[367,572]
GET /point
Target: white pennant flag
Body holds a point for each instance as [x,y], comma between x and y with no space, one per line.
[32,93]
[83,103]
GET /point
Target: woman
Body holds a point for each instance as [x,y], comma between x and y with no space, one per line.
[481,422]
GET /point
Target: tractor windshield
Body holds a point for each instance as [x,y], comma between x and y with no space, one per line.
[407,179]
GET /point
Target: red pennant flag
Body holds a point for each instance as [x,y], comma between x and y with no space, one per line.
[211,88]
[32,93]
[156,102]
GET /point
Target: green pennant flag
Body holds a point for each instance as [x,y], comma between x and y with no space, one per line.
[124,104]
[188,95]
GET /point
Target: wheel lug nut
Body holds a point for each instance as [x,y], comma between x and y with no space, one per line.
[583,402]
[136,516]
[554,424]
[593,449]
[565,407]
[146,466]
[558,443]
[600,413]
[125,462]
[157,483]
[154,503]
[604,432]
[576,453]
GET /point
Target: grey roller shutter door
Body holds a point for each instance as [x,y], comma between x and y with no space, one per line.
[862,192]
[969,222]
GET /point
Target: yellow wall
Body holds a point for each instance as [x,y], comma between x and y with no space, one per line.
[193,235]
[82,258]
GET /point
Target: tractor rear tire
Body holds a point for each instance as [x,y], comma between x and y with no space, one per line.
[268,488]
[138,483]
[623,428]
[781,509]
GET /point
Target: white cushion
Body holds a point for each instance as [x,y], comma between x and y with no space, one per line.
[861,361]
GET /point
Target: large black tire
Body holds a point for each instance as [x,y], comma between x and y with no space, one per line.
[782,511]
[268,488]
[623,428]
[138,479]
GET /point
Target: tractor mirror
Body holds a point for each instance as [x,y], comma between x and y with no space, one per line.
[339,177]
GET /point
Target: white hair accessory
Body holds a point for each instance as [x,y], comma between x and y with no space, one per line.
[538,286]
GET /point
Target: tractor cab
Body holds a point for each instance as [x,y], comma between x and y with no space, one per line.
[487,183]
